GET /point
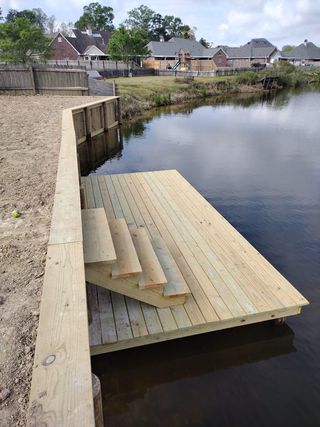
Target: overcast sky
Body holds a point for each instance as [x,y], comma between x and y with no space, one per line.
[231,22]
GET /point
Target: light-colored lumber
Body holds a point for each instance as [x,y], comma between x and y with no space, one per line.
[176,285]
[97,240]
[61,390]
[152,275]
[195,330]
[97,400]
[100,275]
[127,263]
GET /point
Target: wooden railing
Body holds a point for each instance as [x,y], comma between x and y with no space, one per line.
[61,389]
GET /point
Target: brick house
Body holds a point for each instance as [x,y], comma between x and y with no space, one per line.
[184,54]
[85,45]
[256,51]
[307,53]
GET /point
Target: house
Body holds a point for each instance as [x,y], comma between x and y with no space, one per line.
[87,45]
[307,53]
[256,51]
[183,54]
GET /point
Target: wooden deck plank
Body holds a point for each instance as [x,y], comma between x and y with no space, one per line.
[152,217]
[229,290]
[97,240]
[108,327]
[121,317]
[248,292]
[252,284]
[138,324]
[210,291]
[219,278]
[152,274]
[95,334]
[127,263]
[249,254]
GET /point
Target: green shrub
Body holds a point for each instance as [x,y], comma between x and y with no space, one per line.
[161,99]
[247,77]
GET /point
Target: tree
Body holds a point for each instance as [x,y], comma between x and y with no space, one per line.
[287,48]
[204,43]
[154,26]
[65,29]
[1,17]
[126,44]
[141,18]
[36,16]
[20,41]
[51,24]
[97,17]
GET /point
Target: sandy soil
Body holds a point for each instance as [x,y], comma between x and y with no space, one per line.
[29,147]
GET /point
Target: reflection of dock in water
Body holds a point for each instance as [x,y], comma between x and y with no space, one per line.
[99,149]
[150,366]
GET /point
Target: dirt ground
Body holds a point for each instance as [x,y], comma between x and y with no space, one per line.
[29,147]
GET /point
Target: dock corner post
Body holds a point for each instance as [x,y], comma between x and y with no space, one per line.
[97,401]
[118,110]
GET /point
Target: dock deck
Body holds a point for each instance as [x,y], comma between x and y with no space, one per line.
[231,283]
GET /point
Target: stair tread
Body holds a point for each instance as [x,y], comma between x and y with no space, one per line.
[176,285]
[97,240]
[152,275]
[127,263]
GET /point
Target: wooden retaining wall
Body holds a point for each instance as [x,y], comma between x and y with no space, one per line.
[61,389]
[32,80]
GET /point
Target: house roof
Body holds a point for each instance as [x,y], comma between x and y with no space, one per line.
[255,48]
[81,40]
[174,45]
[306,50]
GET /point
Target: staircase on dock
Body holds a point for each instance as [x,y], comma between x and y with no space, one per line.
[125,260]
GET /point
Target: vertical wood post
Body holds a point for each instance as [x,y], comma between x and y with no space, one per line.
[97,401]
[33,83]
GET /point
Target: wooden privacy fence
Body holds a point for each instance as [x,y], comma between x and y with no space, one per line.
[31,79]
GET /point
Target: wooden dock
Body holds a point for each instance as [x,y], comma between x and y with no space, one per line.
[231,283]
[158,262]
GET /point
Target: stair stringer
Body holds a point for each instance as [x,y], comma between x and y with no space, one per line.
[100,275]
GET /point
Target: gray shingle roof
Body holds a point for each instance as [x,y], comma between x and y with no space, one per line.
[307,50]
[174,45]
[82,41]
[255,48]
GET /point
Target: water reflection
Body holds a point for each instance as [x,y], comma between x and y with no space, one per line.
[101,148]
[257,160]
[129,376]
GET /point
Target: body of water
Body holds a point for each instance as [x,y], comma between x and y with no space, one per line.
[257,161]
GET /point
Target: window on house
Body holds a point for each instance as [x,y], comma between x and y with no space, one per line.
[59,39]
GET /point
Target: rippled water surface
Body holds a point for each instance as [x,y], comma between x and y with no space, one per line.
[258,162]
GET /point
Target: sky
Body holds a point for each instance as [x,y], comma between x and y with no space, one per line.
[230,22]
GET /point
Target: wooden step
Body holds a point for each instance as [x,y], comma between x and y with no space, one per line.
[127,263]
[152,274]
[176,285]
[97,241]
[100,275]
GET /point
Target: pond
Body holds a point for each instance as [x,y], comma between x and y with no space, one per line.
[257,160]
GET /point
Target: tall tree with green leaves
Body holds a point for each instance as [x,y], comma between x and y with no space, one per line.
[97,17]
[204,43]
[20,40]
[127,44]
[36,17]
[287,48]
[155,26]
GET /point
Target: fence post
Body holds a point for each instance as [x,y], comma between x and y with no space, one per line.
[114,88]
[33,83]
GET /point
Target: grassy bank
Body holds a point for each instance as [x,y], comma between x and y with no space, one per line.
[139,94]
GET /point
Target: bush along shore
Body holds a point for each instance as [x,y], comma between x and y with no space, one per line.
[139,94]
